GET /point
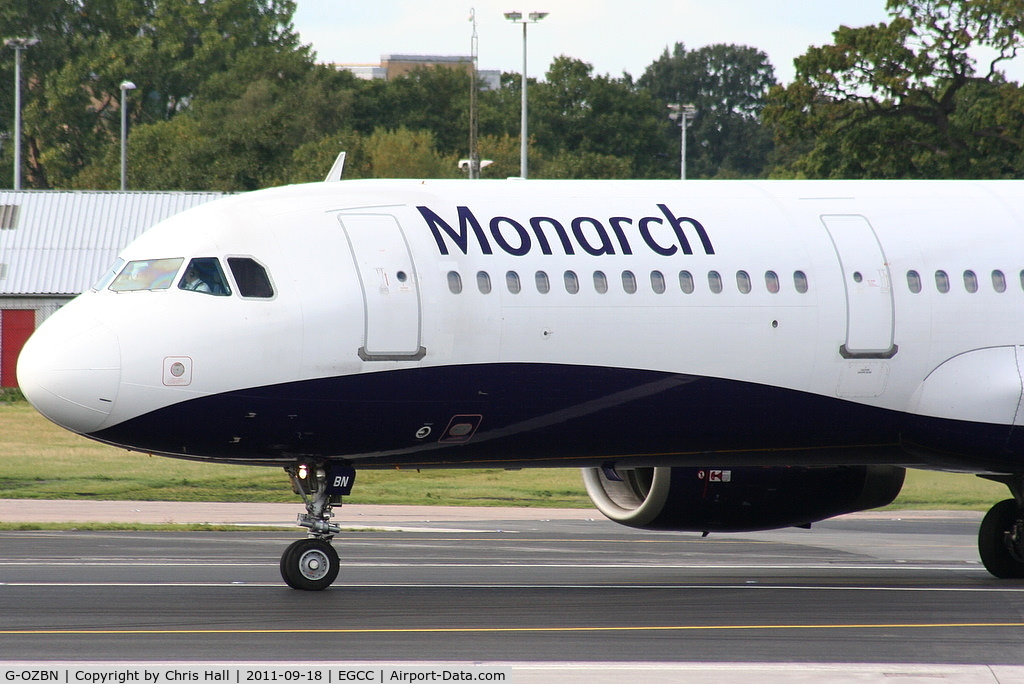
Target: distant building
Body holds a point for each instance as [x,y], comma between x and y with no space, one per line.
[393,66]
[54,245]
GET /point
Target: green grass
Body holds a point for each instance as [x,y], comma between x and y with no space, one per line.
[928,489]
[41,461]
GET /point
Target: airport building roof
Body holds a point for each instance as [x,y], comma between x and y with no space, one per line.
[61,242]
[393,66]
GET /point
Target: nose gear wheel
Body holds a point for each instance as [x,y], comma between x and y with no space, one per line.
[310,565]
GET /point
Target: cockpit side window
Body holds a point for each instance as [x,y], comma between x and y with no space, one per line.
[146,274]
[205,275]
[251,278]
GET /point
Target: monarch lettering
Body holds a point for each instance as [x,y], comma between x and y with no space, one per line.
[665,235]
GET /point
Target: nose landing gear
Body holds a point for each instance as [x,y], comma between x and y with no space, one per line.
[312,564]
[1001,537]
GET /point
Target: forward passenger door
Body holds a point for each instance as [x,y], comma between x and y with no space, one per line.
[390,287]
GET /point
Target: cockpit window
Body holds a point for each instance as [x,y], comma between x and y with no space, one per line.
[251,277]
[205,275]
[147,274]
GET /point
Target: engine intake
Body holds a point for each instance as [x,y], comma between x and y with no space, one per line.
[740,499]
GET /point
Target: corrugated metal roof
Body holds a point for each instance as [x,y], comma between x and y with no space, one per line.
[63,241]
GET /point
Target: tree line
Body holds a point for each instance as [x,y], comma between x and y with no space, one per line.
[227,98]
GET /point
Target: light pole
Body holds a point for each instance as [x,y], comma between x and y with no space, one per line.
[684,113]
[518,18]
[474,117]
[18,44]
[125,87]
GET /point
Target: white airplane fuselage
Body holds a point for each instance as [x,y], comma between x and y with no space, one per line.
[603,324]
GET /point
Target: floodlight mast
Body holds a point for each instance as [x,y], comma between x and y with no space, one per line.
[684,113]
[18,44]
[125,87]
[474,116]
[517,18]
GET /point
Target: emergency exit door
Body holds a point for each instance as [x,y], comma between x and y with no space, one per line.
[391,297]
[870,321]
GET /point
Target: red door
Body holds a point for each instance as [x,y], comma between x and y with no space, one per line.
[15,327]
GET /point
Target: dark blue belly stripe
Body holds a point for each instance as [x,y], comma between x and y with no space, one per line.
[515,415]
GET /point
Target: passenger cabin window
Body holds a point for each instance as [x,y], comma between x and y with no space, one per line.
[715,281]
[771,281]
[543,284]
[205,275]
[512,282]
[970,281]
[146,274]
[743,282]
[572,282]
[483,282]
[658,282]
[800,281]
[629,282]
[454,282]
[914,281]
[600,282]
[942,281]
[998,281]
[686,282]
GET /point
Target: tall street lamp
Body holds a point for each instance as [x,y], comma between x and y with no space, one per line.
[474,116]
[18,44]
[518,18]
[684,113]
[125,87]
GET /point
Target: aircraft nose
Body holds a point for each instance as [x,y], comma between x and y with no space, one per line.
[71,374]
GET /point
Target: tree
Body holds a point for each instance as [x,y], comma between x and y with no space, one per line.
[312,160]
[88,47]
[905,99]
[408,154]
[434,99]
[503,153]
[242,129]
[595,117]
[578,165]
[728,85]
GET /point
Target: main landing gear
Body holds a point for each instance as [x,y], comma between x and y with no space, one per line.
[312,564]
[1001,537]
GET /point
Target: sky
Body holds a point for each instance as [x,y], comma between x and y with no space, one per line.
[615,36]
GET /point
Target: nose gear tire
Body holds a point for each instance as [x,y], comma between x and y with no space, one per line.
[310,565]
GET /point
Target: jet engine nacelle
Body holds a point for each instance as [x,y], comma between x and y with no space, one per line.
[738,499]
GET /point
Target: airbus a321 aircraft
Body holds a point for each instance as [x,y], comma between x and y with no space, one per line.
[716,356]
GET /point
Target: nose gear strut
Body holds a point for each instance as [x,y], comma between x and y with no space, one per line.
[312,564]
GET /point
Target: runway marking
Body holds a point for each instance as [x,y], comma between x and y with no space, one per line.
[753,586]
[512,630]
[899,566]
